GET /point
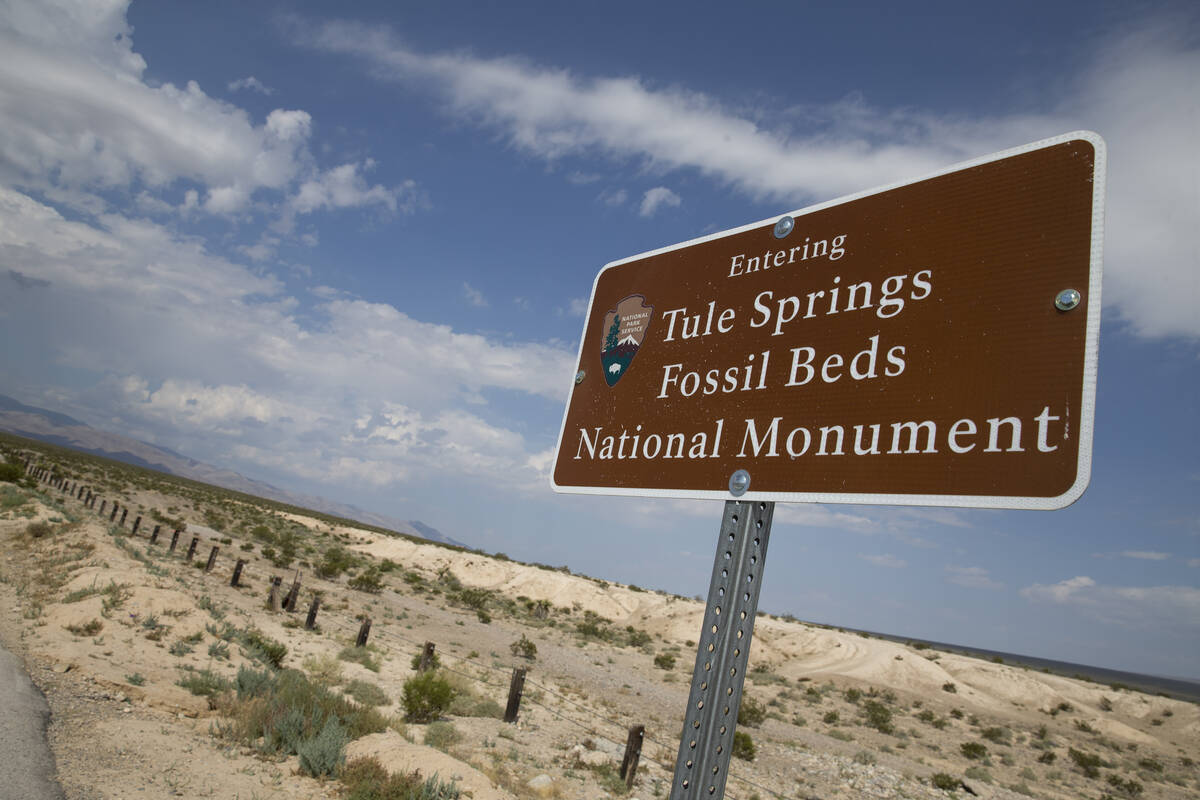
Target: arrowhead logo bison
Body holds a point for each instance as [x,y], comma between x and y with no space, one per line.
[624,329]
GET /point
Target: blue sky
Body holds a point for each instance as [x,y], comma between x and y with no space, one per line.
[349,254]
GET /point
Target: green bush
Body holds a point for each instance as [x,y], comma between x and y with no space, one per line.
[1047,757]
[973,750]
[442,735]
[941,780]
[949,687]
[360,655]
[366,779]
[252,683]
[664,661]
[1088,763]
[205,683]
[830,718]
[997,735]
[878,716]
[38,530]
[853,695]
[369,581]
[263,648]
[524,648]
[743,746]
[426,697]
[1126,786]
[335,561]
[751,713]
[11,473]
[367,693]
[325,752]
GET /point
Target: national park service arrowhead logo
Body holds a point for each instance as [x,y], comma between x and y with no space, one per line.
[624,329]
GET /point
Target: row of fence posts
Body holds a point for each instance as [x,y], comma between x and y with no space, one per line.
[279,603]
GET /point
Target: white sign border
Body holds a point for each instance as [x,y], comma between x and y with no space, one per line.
[1083,471]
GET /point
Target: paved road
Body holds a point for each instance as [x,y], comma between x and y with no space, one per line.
[26,763]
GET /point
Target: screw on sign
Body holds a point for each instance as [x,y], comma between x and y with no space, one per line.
[929,343]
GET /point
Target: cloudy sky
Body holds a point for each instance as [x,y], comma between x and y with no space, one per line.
[350,255]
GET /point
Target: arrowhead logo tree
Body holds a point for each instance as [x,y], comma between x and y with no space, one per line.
[625,327]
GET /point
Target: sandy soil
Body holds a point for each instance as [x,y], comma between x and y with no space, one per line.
[122,726]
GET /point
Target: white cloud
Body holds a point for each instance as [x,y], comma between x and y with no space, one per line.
[80,117]
[473,296]
[656,198]
[250,83]
[971,578]
[614,198]
[885,560]
[1138,92]
[206,353]
[1153,606]
[1193,562]
[1146,555]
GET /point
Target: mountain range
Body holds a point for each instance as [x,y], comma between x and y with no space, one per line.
[64,431]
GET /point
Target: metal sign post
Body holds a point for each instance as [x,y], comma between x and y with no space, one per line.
[702,766]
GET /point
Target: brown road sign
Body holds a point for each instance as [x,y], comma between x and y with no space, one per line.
[930,343]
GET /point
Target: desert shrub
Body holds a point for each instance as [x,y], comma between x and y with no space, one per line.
[369,582]
[853,695]
[1088,763]
[940,780]
[925,715]
[665,661]
[325,752]
[1047,757]
[1150,765]
[90,628]
[426,697]
[219,650]
[524,648]
[635,637]
[956,713]
[262,648]
[949,686]
[1126,786]
[360,655]
[367,693]
[751,713]
[252,683]
[367,779]
[865,757]
[435,661]
[972,750]
[878,716]
[743,746]
[334,562]
[830,718]
[323,669]
[978,773]
[136,679]
[442,735]
[1080,725]
[997,735]
[38,530]
[11,473]
[1106,704]
[205,683]
[180,647]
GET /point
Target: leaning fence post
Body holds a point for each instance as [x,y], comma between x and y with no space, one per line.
[174,541]
[426,662]
[276,582]
[154,534]
[311,622]
[212,558]
[137,523]
[103,503]
[515,690]
[363,633]
[192,547]
[633,752]
[289,602]
[113,516]
[237,572]
[124,514]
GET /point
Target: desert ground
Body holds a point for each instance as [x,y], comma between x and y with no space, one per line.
[158,672]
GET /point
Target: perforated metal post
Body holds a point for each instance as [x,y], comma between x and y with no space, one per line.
[708,724]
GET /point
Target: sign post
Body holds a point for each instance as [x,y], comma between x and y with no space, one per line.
[927,343]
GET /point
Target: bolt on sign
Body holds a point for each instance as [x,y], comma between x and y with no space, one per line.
[926,343]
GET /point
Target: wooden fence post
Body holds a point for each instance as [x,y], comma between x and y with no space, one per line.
[426,662]
[124,514]
[137,523]
[113,516]
[154,534]
[363,633]
[174,541]
[237,572]
[212,558]
[515,690]
[633,752]
[311,622]
[289,603]
[192,547]
[276,582]
[103,503]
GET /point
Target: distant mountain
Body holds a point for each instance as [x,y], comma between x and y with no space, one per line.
[64,431]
